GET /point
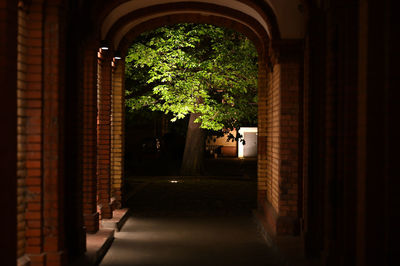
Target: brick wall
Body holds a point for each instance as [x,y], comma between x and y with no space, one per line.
[262,185]
[272,153]
[33,111]
[117,132]
[22,136]
[271,204]
[53,133]
[104,135]
[274,135]
[89,140]
[283,151]
[40,90]
[290,159]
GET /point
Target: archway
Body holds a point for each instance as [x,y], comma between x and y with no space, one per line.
[251,28]
[64,67]
[49,77]
[280,85]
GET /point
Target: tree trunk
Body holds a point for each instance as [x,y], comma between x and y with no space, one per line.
[193,157]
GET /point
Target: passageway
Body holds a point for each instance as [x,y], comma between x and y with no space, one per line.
[193,221]
[327,168]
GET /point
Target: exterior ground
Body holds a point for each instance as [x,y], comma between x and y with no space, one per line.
[193,220]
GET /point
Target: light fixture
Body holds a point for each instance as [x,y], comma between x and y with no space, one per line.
[117,55]
[104,45]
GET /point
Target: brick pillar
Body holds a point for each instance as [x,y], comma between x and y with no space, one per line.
[117,132]
[8,140]
[22,123]
[262,185]
[271,205]
[290,137]
[34,130]
[89,141]
[283,141]
[104,135]
[53,128]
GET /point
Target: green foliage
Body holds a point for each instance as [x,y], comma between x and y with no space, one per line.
[190,68]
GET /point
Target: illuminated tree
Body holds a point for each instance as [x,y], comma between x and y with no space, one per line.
[207,72]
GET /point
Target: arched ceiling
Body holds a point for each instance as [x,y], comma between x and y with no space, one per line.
[288,18]
[148,25]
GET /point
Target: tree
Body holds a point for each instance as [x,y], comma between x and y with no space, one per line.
[204,71]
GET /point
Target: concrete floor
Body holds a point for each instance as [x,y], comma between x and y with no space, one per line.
[197,221]
[189,241]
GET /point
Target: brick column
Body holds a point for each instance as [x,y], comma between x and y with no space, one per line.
[104,135]
[53,128]
[262,185]
[283,156]
[117,132]
[290,137]
[8,140]
[22,124]
[271,205]
[89,140]
[34,133]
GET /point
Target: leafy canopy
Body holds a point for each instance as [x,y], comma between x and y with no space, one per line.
[194,68]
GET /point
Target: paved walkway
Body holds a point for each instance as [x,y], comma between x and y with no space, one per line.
[204,221]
